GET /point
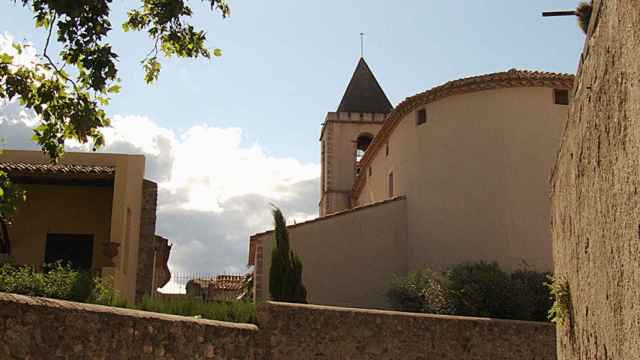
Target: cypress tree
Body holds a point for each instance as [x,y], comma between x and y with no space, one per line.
[285,274]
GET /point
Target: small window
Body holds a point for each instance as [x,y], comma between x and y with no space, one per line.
[387,150]
[391,184]
[561,97]
[421,116]
[362,143]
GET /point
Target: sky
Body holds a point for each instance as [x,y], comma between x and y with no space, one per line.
[226,137]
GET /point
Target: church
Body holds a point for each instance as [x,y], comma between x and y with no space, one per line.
[458,173]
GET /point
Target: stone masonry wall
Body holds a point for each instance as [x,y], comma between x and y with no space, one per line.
[595,200]
[36,328]
[147,239]
[319,332]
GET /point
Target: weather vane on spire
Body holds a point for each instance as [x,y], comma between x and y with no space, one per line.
[361,44]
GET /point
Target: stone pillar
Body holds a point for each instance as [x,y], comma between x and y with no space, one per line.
[144,277]
[595,200]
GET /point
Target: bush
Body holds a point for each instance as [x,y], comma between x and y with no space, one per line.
[55,281]
[421,291]
[102,293]
[234,311]
[473,289]
[531,296]
[480,289]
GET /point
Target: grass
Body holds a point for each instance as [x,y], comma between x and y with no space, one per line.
[236,311]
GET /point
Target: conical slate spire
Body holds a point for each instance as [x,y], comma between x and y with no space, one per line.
[364,94]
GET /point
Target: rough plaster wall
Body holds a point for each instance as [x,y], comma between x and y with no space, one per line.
[595,202]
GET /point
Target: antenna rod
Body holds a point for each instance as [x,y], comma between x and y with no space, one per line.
[559,13]
[361,44]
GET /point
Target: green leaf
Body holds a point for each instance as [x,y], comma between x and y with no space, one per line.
[217,52]
[6,58]
[114,89]
[18,48]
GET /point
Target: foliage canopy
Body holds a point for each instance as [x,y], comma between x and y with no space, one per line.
[68,95]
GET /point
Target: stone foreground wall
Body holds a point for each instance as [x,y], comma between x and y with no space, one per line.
[318,332]
[595,200]
[36,328]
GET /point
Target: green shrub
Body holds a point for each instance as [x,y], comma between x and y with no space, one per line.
[234,311]
[480,289]
[530,296]
[103,293]
[473,289]
[423,290]
[56,281]
[559,289]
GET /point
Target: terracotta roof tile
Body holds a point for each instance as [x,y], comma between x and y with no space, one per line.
[221,282]
[59,169]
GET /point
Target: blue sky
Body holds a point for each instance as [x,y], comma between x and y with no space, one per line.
[287,63]
[227,137]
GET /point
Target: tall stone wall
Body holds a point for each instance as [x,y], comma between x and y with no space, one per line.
[144,277]
[36,328]
[595,201]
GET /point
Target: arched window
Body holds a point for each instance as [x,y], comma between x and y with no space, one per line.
[363,143]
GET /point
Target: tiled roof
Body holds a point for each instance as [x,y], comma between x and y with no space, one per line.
[364,94]
[507,79]
[221,282]
[59,169]
[229,282]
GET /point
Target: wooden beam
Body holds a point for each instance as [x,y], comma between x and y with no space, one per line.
[559,13]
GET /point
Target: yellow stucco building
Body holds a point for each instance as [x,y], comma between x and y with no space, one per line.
[93,210]
[457,173]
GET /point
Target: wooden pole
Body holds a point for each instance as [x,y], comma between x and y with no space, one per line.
[559,13]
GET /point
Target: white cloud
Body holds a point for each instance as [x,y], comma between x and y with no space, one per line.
[27,57]
[213,190]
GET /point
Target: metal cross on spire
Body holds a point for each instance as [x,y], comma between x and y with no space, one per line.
[362,45]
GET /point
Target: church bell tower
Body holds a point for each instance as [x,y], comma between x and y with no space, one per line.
[345,136]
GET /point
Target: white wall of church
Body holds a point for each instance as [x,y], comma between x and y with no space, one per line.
[476,177]
[349,259]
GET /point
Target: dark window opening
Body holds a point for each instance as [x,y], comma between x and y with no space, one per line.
[370,171]
[421,116]
[387,150]
[561,97]
[391,184]
[363,142]
[75,250]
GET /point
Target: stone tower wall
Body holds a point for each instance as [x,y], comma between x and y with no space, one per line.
[338,143]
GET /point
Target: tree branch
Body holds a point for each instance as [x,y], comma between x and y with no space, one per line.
[53,65]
